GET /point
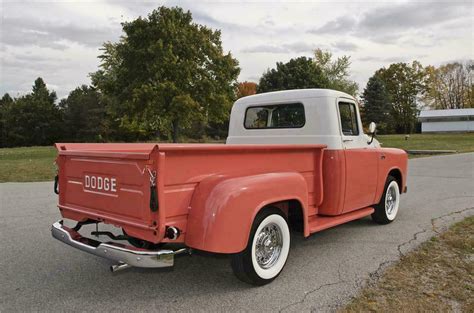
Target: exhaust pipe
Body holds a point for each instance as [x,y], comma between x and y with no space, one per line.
[119,267]
[172,233]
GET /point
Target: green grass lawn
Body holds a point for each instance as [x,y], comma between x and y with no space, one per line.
[27,164]
[36,163]
[459,142]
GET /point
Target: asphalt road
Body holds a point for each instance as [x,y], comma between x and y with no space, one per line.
[38,273]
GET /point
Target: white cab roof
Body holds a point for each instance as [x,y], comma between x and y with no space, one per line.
[285,95]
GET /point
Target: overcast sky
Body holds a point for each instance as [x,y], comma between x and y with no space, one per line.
[60,40]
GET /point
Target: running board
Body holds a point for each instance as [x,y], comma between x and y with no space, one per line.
[319,222]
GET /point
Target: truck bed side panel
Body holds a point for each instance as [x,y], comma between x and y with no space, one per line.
[186,169]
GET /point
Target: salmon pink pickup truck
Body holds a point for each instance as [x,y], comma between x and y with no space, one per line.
[294,161]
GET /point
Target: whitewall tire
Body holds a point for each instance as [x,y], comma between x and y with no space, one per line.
[267,249]
[387,209]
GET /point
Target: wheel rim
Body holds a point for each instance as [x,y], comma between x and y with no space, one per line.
[392,200]
[268,247]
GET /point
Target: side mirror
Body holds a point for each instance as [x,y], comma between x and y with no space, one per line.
[372,129]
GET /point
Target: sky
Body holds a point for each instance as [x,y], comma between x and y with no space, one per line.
[60,40]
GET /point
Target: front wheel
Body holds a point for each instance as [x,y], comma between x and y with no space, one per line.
[267,250]
[386,210]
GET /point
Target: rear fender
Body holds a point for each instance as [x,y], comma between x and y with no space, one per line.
[223,208]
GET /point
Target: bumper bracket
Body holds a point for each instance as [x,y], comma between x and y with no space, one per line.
[123,254]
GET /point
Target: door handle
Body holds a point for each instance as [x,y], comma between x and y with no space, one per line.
[347,140]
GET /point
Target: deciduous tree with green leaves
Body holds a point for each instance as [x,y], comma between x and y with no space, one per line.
[165,73]
[336,72]
[302,72]
[297,73]
[404,84]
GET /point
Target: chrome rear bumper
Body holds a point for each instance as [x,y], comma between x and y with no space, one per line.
[122,254]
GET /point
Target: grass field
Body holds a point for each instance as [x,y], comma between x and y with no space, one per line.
[447,141]
[437,277]
[36,163]
[27,164]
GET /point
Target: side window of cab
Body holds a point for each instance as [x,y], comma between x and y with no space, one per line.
[348,115]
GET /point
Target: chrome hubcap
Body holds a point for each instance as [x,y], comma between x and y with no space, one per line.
[391,200]
[268,245]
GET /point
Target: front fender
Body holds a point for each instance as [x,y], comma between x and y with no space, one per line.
[223,208]
[395,159]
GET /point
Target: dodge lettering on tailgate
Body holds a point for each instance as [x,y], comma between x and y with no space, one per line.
[100,183]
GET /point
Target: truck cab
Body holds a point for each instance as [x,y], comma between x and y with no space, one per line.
[295,159]
[354,164]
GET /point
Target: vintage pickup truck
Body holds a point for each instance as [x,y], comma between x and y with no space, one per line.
[294,160]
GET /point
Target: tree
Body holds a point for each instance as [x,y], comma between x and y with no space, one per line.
[404,84]
[246,89]
[5,104]
[318,72]
[6,100]
[33,119]
[335,72]
[298,73]
[450,86]
[83,115]
[166,73]
[376,104]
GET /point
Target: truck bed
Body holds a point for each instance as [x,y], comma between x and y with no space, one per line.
[85,169]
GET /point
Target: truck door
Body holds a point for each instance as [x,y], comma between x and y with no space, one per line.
[360,158]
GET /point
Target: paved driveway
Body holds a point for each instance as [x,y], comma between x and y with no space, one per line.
[324,271]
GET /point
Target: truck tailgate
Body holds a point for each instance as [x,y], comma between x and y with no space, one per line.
[108,182]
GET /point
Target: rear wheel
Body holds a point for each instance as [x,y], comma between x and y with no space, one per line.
[267,250]
[386,210]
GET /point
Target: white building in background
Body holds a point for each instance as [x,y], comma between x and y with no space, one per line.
[454,120]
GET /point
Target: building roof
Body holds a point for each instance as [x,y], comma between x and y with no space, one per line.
[294,94]
[446,113]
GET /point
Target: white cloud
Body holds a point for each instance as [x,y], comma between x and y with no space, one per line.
[293,47]
[60,40]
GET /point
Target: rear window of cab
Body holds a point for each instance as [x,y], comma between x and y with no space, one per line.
[288,115]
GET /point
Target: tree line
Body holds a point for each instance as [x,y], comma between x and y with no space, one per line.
[169,79]
[394,95]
